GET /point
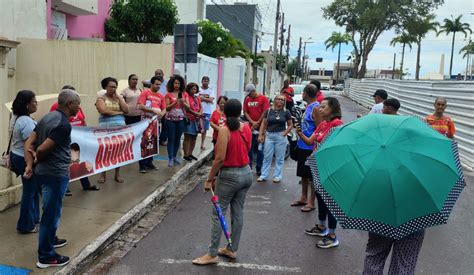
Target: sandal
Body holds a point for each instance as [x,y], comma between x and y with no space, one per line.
[298,203]
[307,209]
[226,253]
[101,180]
[119,180]
[206,260]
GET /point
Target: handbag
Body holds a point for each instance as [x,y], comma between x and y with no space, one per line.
[5,159]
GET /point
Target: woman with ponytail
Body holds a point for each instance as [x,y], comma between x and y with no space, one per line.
[234,180]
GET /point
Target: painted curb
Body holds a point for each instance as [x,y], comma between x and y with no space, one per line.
[93,249]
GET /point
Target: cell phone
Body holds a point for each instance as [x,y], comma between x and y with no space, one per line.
[180,94]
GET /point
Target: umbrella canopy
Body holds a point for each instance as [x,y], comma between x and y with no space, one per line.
[388,174]
[221,216]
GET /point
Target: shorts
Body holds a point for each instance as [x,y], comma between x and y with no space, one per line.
[303,170]
[207,121]
[191,129]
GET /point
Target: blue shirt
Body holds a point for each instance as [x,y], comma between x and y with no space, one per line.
[307,125]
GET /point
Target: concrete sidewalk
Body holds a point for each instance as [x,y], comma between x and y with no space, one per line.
[90,218]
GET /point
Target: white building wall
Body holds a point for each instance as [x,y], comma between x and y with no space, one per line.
[233,78]
[23,18]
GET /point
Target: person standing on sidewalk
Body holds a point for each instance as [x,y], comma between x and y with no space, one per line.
[151,103]
[289,93]
[218,119]
[235,179]
[130,95]
[78,120]
[22,125]
[441,123]
[48,155]
[207,96]
[331,114]
[276,124]
[255,106]
[194,114]
[309,122]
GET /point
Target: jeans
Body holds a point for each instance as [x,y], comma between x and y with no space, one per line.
[175,131]
[29,209]
[232,186]
[323,213]
[275,143]
[163,131]
[254,150]
[53,189]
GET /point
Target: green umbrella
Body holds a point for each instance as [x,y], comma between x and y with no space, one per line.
[388,174]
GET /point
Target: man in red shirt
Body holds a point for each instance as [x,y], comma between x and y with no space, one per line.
[152,103]
[255,106]
[289,93]
[319,93]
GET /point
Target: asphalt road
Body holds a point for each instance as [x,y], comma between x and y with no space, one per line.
[273,241]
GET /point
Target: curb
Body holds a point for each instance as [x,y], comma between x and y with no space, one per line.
[93,249]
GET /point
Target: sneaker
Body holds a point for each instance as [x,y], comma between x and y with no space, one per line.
[328,242]
[68,193]
[176,160]
[58,260]
[316,231]
[260,179]
[188,158]
[193,157]
[59,242]
[142,170]
[170,163]
[276,180]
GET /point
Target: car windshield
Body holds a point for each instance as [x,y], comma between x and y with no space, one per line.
[298,89]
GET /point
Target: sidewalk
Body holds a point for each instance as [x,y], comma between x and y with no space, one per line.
[88,215]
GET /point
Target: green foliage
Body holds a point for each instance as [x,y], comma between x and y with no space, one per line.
[290,70]
[337,38]
[405,39]
[467,49]
[219,42]
[365,20]
[143,21]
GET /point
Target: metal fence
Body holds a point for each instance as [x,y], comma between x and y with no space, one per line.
[417,98]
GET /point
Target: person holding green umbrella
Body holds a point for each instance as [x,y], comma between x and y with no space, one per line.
[330,112]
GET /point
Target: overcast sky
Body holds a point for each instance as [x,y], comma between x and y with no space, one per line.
[306,19]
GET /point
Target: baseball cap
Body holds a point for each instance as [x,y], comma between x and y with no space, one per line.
[382,93]
[249,88]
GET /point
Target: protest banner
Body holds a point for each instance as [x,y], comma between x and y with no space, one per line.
[95,150]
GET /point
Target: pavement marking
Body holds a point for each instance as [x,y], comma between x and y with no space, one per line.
[257,203]
[240,265]
[259,197]
[256,211]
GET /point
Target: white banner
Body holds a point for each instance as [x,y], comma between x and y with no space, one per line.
[95,150]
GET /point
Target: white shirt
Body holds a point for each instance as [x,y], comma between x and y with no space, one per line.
[377,108]
[207,108]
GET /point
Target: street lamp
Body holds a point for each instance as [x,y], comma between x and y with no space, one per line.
[307,41]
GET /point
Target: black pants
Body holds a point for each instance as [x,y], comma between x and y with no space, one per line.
[323,213]
[132,119]
[144,163]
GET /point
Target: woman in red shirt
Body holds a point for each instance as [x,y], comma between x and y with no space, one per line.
[330,111]
[218,119]
[235,178]
[193,113]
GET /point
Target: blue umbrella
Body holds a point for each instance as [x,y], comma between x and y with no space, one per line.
[220,214]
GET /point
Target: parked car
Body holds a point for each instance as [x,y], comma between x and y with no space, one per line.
[324,86]
[339,87]
[298,98]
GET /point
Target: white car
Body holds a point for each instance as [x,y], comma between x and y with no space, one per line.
[324,86]
[298,98]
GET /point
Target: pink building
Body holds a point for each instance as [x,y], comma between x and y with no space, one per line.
[77,19]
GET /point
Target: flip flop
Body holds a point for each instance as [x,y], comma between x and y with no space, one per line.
[298,203]
[119,180]
[307,209]
[101,180]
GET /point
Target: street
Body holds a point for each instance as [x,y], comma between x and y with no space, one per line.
[273,241]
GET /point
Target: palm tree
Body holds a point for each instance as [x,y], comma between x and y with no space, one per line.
[418,28]
[336,39]
[467,50]
[454,26]
[406,40]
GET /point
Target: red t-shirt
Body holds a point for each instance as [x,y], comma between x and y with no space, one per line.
[151,99]
[255,107]
[320,96]
[288,93]
[238,148]
[218,119]
[324,127]
[78,120]
[194,104]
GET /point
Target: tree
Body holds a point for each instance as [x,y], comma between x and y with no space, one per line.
[406,40]
[336,39]
[219,42]
[365,20]
[454,26]
[143,21]
[419,27]
[467,49]
[291,68]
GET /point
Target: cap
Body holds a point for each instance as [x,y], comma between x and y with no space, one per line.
[249,88]
[382,93]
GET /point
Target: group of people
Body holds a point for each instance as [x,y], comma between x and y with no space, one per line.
[41,151]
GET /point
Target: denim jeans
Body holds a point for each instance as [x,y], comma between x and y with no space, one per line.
[323,213]
[275,143]
[254,150]
[175,131]
[29,209]
[232,186]
[163,131]
[53,189]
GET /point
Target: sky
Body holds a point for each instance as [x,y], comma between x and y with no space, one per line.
[306,19]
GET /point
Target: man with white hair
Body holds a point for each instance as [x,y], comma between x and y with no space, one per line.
[47,156]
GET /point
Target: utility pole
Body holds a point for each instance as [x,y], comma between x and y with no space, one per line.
[282,41]
[275,41]
[288,48]
[393,68]
[298,63]
[255,68]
